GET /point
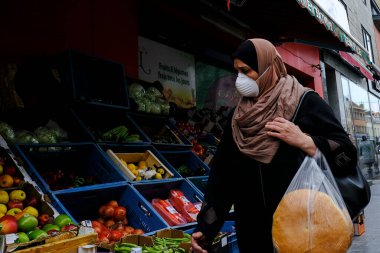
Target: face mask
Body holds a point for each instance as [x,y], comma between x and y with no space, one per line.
[246,86]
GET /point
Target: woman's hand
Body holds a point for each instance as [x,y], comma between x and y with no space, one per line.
[197,242]
[291,134]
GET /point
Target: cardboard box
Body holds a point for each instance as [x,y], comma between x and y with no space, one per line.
[151,160]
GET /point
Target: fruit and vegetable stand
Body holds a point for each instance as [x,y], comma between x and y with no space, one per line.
[127,174]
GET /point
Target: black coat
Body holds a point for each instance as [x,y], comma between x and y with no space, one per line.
[255,189]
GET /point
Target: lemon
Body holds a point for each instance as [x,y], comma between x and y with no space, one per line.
[142,164]
[131,166]
[138,178]
[158,176]
[135,172]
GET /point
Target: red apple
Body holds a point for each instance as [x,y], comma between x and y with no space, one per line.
[115,235]
[138,232]
[32,201]
[129,229]
[15,204]
[69,227]
[101,220]
[113,203]
[119,213]
[107,211]
[8,225]
[17,181]
[103,239]
[109,223]
[10,170]
[43,219]
[96,224]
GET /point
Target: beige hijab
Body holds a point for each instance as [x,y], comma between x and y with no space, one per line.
[278,97]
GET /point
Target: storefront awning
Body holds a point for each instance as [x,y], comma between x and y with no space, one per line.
[349,59]
[300,21]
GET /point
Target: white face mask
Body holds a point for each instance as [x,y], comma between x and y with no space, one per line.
[246,86]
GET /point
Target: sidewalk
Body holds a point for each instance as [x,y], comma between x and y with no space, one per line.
[369,241]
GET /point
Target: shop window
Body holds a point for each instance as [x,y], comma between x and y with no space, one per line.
[367,43]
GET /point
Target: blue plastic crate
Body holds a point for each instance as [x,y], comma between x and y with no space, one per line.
[81,159]
[141,149]
[156,127]
[84,205]
[95,80]
[186,158]
[162,190]
[97,120]
[229,228]
[199,183]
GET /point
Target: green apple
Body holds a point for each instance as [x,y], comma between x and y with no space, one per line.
[48,227]
[37,233]
[27,223]
[63,220]
[22,237]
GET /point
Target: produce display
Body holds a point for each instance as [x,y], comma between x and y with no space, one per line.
[177,209]
[167,245]
[10,176]
[294,231]
[149,100]
[112,223]
[140,166]
[120,134]
[51,133]
[59,179]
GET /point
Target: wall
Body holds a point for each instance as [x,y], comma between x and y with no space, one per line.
[43,27]
[302,57]
[359,14]
[377,39]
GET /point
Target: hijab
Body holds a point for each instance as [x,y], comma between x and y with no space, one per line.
[279,96]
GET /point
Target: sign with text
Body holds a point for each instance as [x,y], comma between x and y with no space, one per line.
[174,69]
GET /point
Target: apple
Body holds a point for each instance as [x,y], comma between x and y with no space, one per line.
[31,210]
[15,204]
[6,181]
[3,208]
[48,227]
[103,239]
[113,203]
[69,227]
[115,235]
[109,223]
[37,233]
[43,219]
[10,170]
[119,213]
[17,195]
[32,201]
[138,232]
[22,237]
[107,211]
[27,223]
[1,168]
[8,225]
[4,197]
[62,220]
[14,211]
[19,215]
[17,181]
[129,229]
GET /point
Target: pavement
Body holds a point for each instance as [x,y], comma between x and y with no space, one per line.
[369,241]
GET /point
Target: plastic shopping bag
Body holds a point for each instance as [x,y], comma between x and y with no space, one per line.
[312,216]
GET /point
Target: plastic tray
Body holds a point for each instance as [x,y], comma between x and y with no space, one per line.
[162,190]
[154,127]
[84,205]
[186,157]
[82,160]
[95,80]
[140,149]
[98,120]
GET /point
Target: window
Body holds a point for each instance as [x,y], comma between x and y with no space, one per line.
[367,43]
[374,10]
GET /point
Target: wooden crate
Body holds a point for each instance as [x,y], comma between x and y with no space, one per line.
[65,246]
[151,160]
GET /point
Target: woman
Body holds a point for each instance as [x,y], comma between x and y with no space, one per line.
[261,149]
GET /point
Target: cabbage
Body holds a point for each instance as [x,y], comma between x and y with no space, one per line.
[155,108]
[153,92]
[136,90]
[25,137]
[7,131]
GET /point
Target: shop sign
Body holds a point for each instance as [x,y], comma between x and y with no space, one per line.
[331,26]
[175,70]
